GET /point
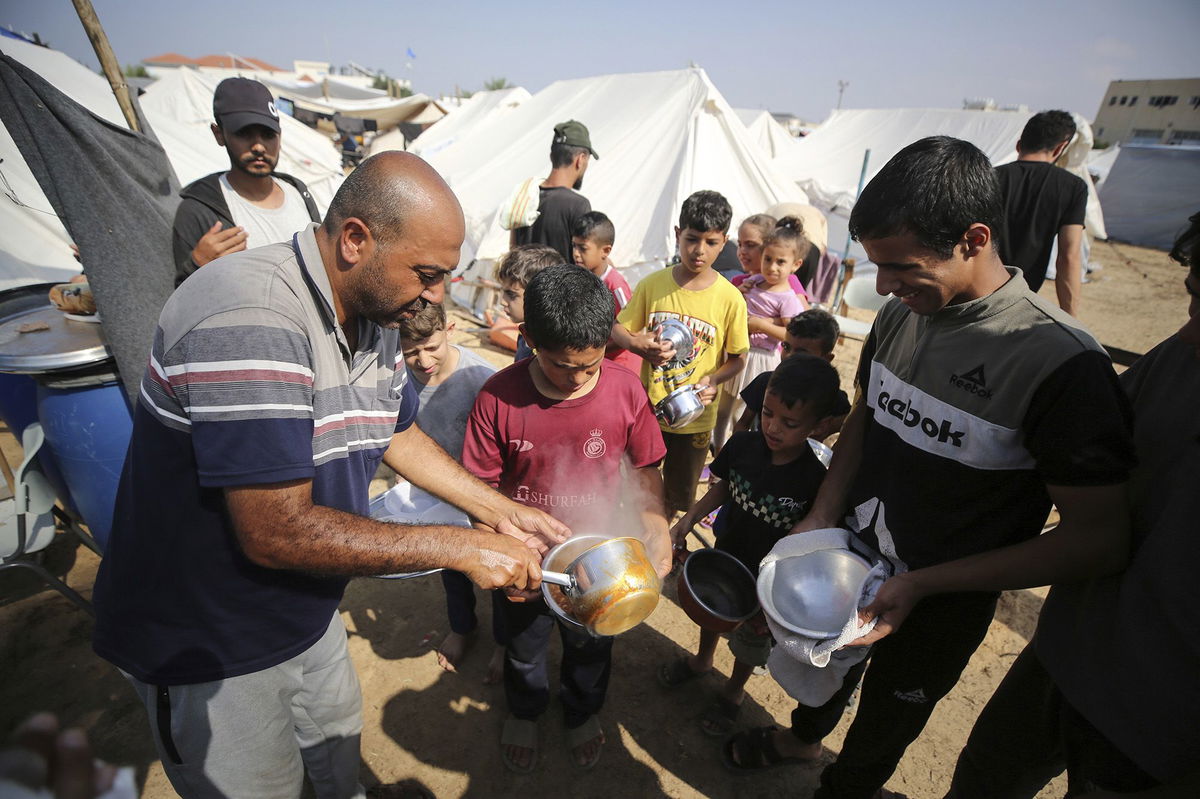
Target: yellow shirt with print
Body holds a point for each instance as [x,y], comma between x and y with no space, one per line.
[717,318]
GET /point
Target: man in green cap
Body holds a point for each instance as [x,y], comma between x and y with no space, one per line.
[559,202]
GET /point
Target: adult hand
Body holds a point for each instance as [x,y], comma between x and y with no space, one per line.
[892,604]
[536,529]
[43,758]
[708,392]
[217,242]
[499,561]
[647,345]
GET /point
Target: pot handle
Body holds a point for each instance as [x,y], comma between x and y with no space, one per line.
[560,579]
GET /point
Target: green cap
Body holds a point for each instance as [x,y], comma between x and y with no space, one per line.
[574,134]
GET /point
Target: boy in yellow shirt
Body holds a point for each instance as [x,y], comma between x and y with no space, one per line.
[697,295]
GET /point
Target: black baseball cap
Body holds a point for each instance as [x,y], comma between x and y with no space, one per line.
[575,134]
[239,102]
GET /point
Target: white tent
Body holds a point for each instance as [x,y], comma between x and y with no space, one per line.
[1150,193]
[660,136]
[179,109]
[34,245]
[331,97]
[480,108]
[827,163]
[772,137]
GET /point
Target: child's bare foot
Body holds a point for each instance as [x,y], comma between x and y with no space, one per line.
[451,651]
[495,671]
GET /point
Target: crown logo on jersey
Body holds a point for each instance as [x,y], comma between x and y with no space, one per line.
[597,432]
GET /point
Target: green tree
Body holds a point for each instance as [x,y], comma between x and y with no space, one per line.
[380,82]
[136,71]
[496,83]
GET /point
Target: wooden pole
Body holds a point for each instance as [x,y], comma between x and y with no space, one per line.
[108,61]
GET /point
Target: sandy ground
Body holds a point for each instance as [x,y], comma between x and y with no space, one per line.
[440,730]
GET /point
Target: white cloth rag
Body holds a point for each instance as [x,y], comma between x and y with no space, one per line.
[404,503]
[812,669]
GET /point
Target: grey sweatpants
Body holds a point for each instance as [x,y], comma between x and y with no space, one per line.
[253,736]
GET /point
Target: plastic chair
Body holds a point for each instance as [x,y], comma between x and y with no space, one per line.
[28,522]
[859,292]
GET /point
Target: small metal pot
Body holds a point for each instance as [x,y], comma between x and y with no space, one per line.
[682,406]
[680,337]
[716,590]
[608,589]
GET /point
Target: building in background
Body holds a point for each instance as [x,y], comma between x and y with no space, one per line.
[1150,112]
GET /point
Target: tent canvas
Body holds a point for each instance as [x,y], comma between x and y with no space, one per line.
[660,136]
[479,109]
[34,245]
[1150,192]
[772,137]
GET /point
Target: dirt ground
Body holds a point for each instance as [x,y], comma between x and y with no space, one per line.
[440,730]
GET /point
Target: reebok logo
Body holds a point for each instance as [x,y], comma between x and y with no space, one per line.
[943,431]
[973,382]
[916,697]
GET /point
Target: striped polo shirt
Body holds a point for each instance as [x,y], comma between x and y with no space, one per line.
[971,412]
[250,382]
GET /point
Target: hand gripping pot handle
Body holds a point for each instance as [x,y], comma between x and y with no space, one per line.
[681,406]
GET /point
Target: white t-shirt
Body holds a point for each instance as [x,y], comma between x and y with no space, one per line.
[267,225]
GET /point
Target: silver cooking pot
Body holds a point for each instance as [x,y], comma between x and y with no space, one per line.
[681,407]
[680,337]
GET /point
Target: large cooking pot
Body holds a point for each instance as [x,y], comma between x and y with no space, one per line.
[607,586]
[679,336]
[681,407]
[716,590]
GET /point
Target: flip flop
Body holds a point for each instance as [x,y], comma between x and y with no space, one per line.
[522,733]
[677,672]
[578,736]
[718,718]
[756,752]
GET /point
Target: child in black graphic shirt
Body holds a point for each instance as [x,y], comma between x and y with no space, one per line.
[768,479]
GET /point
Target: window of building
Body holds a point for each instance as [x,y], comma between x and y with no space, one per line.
[1145,136]
[1113,100]
[1174,98]
[1194,102]
[1132,101]
[1185,138]
[1124,99]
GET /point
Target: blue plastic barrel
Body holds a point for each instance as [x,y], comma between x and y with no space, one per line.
[88,429]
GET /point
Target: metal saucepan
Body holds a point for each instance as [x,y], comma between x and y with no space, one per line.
[607,586]
[682,406]
[716,590]
[679,336]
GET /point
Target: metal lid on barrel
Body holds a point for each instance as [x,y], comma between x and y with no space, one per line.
[36,337]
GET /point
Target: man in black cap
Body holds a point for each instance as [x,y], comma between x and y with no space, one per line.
[250,205]
[559,202]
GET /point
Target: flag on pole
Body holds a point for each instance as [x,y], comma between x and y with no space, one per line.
[410,53]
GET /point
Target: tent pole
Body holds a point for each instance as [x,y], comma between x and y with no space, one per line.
[862,178]
[108,61]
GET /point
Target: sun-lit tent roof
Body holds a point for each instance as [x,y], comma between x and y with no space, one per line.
[828,162]
[660,137]
[1150,192]
[179,109]
[330,96]
[772,137]
[478,109]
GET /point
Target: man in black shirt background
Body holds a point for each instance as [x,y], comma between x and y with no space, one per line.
[1042,201]
[559,202]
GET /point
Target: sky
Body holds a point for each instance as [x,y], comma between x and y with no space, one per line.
[785,57]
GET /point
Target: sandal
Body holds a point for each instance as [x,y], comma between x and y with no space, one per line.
[579,736]
[756,752]
[521,733]
[718,718]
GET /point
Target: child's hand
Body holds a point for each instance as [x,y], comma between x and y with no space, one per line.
[647,345]
[756,324]
[758,623]
[708,392]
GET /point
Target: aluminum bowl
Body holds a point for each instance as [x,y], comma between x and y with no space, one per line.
[557,560]
[716,590]
[815,594]
[681,338]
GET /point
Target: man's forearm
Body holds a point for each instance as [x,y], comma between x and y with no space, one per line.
[653,513]
[1092,540]
[418,459]
[1068,282]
